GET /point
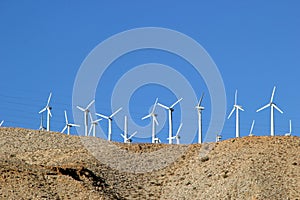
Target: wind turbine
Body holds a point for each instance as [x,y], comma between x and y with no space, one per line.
[68,125]
[42,128]
[94,123]
[109,118]
[236,108]
[125,136]
[48,109]
[177,137]
[251,129]
[199,109]
[86,116]
[154,122]
[170,110]
[272,105]
[289,133]
[1,123]
[218,138]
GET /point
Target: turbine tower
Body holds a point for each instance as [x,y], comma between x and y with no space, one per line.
[170,110]
[109,118]
[177,137]
[86,116]
[272,105]
[289,133]
[236,108]
[199,110]
[251,129]
[94,123]
[48,109]
[154,122]
[125,136]
[68,125]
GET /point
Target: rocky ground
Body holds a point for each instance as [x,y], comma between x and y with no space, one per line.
[43,165]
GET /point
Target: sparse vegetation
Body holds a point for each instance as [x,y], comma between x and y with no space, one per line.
[43,165]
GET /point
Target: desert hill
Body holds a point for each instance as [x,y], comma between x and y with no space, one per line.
[48,165]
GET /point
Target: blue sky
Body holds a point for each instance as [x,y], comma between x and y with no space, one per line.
[255,45]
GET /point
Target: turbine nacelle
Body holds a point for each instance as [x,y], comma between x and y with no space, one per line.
[199,107]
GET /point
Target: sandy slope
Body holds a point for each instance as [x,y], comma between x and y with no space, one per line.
[42,165]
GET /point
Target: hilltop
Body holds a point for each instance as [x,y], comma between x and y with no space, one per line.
[48,165]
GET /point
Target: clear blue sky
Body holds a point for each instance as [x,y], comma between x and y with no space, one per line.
[255,44]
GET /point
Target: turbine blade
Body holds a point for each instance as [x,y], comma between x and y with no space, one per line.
[115,112]
[49,98]
[154,105]
[98,120]
[174,104]
[180,126]
[43,110]
[200,100]
[74,125]
[235,97]
[91,117]
[49,112]
[290,126]
[172,138]
[133,134]
[1,122]
[277,108]
[147,116]
[155,120]
[66,117]
[64,129]
[90,104]
[80,108]
[240,108]
[231,112]
[163,106]
[273,93]
[123,136]
[103,116]
[264,107]
[252,126]
[91,128]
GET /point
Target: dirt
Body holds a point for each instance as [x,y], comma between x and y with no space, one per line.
[48,165]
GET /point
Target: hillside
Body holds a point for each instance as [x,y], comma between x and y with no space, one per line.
[43,165]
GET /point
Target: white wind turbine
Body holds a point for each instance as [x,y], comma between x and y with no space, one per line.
[48,109]
[218,138]
[289,133]
[251,129]
[1,123]
[199,110]
[86,116]
[94,123]
[109,118]
[236,108]
[154,122]
[42,128]
[170,110]
[177,137]
[125,136]
[68,125]
[272,105]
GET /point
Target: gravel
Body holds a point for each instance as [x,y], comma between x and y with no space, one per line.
[48,165]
